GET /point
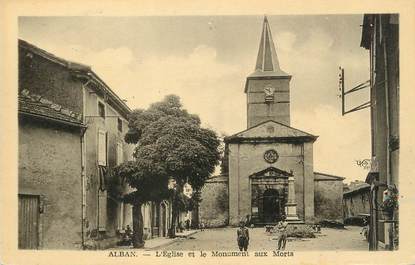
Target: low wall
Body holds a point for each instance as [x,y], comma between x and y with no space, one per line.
[214,208]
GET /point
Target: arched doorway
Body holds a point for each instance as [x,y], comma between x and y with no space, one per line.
[270,206]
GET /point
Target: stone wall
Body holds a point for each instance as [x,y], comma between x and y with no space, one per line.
[259,111]
[50,167]
[328,193]
[214,208]
[246,159]
[49,79]
[356,202]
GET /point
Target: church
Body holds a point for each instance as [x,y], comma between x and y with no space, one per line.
[270,170]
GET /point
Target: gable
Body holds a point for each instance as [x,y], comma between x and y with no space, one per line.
[271,172]
[272,130]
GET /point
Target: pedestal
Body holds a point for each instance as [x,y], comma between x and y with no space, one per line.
[291,206]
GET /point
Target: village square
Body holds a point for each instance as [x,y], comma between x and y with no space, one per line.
[98,170]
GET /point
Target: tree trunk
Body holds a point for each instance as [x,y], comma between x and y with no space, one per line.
[138,227]
[195,217]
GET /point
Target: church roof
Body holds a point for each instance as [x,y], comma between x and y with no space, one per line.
[272,130]
[324,176]
[267,64]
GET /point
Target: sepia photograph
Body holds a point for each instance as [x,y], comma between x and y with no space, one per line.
[182,133]
[227,133]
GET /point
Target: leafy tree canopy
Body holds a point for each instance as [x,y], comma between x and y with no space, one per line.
[170,142]
[149,181]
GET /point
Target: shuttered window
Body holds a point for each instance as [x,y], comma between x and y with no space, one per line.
[102,148]
[101,109]
[119,124]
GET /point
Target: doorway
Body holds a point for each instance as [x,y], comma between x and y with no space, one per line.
[155,219]
[271,206]
[28,221]
[163,219]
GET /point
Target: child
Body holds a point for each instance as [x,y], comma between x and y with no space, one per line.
[242,237]
[282,231]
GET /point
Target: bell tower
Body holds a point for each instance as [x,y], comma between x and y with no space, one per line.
[268,87]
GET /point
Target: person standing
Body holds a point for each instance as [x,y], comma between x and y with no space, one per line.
[242,237]
[202,226]
[247,220]
[187,224]
[282,231]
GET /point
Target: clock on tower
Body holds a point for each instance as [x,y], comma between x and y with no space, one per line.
[269,93]
[264,101]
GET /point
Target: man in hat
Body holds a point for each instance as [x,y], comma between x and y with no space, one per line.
[242,236]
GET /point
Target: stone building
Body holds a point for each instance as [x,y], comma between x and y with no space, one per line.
[328,203]
[380,35]
[156,219]
[63,171]
[214,208]
[100,218]
[356,200]
[49,169]
[270,163]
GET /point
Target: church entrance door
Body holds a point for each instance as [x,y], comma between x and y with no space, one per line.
[270,206]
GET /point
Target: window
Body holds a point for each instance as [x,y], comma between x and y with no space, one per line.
[119,125]
[101,109]
[102,148]
[120,156]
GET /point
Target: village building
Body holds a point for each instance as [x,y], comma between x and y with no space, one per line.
[271,172]
[356,198]
[71,133]
[49,174]
[380,35]
[96,212]
[327,197]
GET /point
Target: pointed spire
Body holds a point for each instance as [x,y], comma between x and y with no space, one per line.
[267,61]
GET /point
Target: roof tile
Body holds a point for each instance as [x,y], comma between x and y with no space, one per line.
[35,104]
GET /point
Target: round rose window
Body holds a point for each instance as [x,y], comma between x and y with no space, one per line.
[271,156]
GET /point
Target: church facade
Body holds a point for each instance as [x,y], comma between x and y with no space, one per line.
[270,164]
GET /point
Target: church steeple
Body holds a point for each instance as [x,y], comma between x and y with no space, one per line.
[267,63]
[268,88]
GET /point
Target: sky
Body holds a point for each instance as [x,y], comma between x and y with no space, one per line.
[205,60]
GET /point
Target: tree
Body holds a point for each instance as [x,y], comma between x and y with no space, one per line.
[150,184]
[170,143]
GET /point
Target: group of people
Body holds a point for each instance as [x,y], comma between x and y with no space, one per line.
[183,225]
[243,235]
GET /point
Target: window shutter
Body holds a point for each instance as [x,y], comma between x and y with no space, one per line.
[102,210]
[102,148]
